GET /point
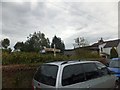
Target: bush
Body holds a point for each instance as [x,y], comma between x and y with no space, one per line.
[27,58]
[85,54]
[32,57]
[113,53]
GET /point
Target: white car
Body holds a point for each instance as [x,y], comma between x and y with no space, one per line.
[73,75]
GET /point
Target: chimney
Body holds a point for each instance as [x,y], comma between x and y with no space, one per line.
[100,41]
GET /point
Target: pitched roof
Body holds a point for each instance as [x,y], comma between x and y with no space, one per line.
[88,48]
[85,47]
[95,45]
[69,50]
[112,43]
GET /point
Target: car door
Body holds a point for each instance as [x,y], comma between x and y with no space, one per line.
[92,76]
[109,79]
[73,78]
[98,78]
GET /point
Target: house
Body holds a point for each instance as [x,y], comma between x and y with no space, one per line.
[105,47]
[101,47]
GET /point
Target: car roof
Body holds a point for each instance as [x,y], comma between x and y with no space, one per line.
[69,62]
[115,58]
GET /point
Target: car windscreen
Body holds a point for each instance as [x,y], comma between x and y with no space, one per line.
[47,74]
[115,64]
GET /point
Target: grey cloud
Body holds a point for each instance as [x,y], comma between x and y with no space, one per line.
[19,20]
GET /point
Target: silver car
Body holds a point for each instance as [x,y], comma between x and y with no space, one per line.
[73,75]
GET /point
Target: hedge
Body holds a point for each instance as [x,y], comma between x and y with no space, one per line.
[32,57]
[26,58]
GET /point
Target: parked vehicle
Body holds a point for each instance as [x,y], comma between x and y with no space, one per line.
[114,66]
[73,75]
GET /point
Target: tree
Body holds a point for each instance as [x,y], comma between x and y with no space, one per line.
[58,43]
[80,42]
[5,43]
[36,42]
[19,46]
[9,50]
[113,53]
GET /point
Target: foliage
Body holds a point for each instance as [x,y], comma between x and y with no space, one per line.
[19,46]
[113,53]
[5,43]
[7,50]
[82,53]
[34,58]
[31,57]
[36,42]
[58,43]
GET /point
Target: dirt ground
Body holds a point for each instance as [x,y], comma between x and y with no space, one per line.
[17,76]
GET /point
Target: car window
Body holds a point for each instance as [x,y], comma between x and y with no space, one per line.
[100,65]
[91,71]
[47,74]
[102,69]
[72,74]
[115,64]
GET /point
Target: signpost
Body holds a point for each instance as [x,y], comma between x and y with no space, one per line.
[52,49]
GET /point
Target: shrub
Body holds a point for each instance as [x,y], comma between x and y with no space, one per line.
[113,53]
[27,58]
[82,53]
[32,57]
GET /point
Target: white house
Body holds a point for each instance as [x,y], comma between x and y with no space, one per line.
[106,46]
[101,47]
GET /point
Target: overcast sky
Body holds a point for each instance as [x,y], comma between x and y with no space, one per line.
[67,20]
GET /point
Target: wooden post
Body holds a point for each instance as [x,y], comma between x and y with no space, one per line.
[54,51]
